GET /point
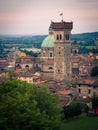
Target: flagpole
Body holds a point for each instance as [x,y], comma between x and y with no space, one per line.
[62,16]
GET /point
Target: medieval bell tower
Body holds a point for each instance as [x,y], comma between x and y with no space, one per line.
[62,50]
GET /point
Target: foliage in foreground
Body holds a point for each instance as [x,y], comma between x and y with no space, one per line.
[72,110]
[95,101]
[94,71]
[26,107]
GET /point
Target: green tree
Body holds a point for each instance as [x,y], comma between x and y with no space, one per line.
[68,112]
[77,108]
[94,71]
[86,108]
[72,110]
[12,75]
[95,101]
[24,106]
[1,48]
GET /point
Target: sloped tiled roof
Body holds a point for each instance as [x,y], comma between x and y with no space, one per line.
[93,82]
[64,92]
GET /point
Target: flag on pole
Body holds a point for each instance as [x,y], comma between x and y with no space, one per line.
[61,14]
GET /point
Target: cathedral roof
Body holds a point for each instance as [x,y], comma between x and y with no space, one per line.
[48,41]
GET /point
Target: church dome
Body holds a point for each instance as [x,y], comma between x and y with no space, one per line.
[48,41]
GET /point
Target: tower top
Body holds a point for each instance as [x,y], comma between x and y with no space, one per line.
[61,25]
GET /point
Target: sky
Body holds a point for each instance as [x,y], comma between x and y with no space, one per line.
[34,16]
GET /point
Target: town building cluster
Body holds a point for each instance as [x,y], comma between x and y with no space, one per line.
[59,65]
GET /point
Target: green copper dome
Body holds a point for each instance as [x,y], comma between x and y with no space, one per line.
[48,41]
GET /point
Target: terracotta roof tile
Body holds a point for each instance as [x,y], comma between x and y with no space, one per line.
[88,82]
[18,70]
[86,58]
[64,92]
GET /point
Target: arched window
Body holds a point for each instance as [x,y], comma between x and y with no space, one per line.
[89,91]
[50,54]
[36,66]
[79,90]
[27,66]
[50,68]
[57,38]
[18,66]
[44,54]
[75,52]
[60,37]
[67,36]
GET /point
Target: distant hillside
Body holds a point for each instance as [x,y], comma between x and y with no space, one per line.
[22,40]
[84,36]
[36,40]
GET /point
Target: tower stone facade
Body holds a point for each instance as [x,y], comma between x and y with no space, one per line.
[62,50]
[56,52]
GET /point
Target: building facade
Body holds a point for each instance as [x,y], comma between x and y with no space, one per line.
[87,88]
[56,51]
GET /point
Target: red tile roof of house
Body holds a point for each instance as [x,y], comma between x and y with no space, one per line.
[93,82]
[85,57]
[64,92]
[18,70]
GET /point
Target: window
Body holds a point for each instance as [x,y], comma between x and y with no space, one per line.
[60,37]
[79,90]
[89,91]
[50,68]
[18,66]
[79,85]
[27,66]
[43,54]
[94,87]
[50,54]
[36,65]
[75,52]
[57,37]
[67,36]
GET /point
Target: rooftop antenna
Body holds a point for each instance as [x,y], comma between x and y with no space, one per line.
[61,14]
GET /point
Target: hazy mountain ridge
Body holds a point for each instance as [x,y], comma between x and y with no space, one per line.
[80,36]
[36,40]
[91,35]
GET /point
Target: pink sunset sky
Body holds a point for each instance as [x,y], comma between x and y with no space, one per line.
[34,16]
